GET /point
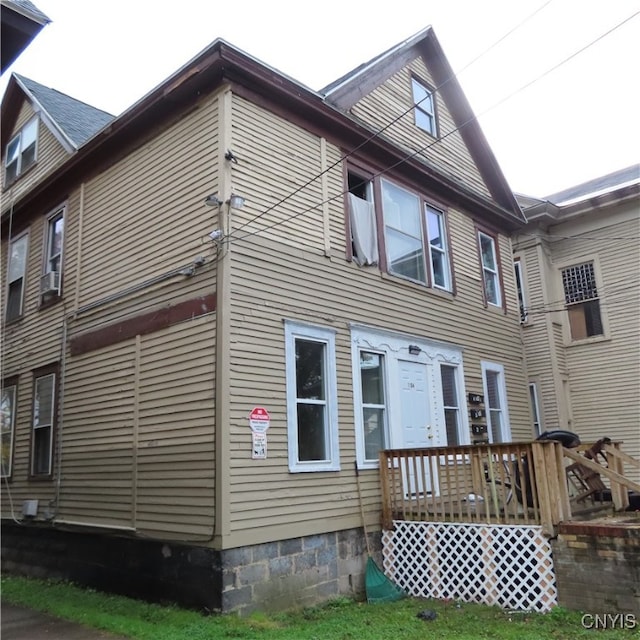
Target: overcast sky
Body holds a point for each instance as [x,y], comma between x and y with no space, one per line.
[577,122]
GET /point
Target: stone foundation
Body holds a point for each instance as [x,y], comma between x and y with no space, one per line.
[598,567]
[268,577]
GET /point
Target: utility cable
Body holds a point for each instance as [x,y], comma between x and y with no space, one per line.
[426,147]
[388,125]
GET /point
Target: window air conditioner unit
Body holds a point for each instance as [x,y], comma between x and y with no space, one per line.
[50,282]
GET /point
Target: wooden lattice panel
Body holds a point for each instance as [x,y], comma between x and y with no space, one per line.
[504,565]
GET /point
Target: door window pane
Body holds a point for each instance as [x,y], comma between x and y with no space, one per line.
[373,403]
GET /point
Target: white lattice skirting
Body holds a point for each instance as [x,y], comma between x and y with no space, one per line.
[508,566]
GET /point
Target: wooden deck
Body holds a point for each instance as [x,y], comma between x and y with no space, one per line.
[515,483]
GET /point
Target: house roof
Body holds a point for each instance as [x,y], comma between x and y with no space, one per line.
[77,120]
[221,63]
[596,187]
[586,198]
[21,22]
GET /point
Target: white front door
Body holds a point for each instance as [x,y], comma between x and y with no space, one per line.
[416,425]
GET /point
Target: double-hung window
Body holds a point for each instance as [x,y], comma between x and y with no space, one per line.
[582,301]
[373,405]
[403,232]
[490,269]
[21,151]
[413,242]
[44,418]
[7,427]
[16,275]
[50,282]
[451,403]
[522,303]
[312,398]
[535,408]
[438,248]
[495,393]
[425,107]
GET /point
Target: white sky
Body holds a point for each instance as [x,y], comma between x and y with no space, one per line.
[579,122]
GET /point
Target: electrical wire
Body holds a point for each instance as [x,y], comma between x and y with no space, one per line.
[421,149]
[389,124]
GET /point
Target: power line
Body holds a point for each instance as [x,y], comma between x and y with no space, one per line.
[388,125]
[422,149]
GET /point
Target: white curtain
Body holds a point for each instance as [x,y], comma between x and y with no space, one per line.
[363,231]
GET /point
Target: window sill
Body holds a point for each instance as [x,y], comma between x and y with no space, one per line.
[49,301]
[587,341]
[417,286]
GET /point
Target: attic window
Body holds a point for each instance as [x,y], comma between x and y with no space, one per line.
[425,107]
[21,151]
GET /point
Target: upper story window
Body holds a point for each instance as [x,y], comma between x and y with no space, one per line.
[413,241]
[522,301]
[581,298]
[21,151]
[16,276]
[50,281]
[312,398]
[490,269]
[425,107]
[403,232]
[438,248]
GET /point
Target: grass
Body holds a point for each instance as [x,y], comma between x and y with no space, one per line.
[339,619]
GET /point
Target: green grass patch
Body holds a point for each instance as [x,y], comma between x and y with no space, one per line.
[338,619]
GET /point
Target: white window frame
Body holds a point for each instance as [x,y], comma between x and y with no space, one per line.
[300,331]
[580,304]
[492,272]
[8,426]
[359,405]
[424,109]
[443,250]
[520,289]
[498,369]
[535,408]
[23,237]
[18,143]
[47,425]
[462,433]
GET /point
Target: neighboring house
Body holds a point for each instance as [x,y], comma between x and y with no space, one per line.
[578,267]
[21,22]
[189,381]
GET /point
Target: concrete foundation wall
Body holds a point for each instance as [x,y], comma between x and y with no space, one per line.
[598,567]
[267,577]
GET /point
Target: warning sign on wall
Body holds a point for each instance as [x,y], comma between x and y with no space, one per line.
[258,446]
[259,420]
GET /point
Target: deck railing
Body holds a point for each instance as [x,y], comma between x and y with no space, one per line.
[515,483]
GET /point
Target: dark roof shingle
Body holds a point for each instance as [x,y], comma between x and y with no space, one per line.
[78,120]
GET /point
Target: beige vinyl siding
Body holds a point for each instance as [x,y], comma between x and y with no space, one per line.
[276,159]
[448,152]
[331,295]
[50,155]
[282,273]
[604,374]
[156,218]
[97,455]
[138,433]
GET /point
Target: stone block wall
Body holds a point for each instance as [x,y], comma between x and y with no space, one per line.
[295,572]
[598,567]
[267,577]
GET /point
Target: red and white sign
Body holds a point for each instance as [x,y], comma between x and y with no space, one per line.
[259,420]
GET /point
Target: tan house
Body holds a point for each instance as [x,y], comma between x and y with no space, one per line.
[218,301]
[577,268]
